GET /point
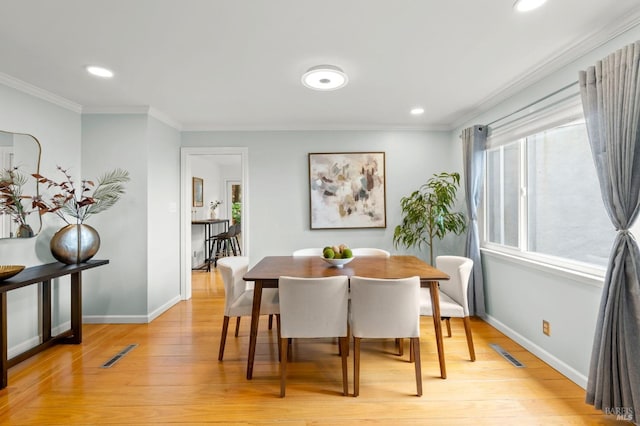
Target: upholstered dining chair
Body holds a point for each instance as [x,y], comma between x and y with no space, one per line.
[238,298]
[313,308]
[383,309]
[454,300]
[358,252]
[314,251]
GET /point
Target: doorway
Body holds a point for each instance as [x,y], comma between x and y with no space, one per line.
[187,157]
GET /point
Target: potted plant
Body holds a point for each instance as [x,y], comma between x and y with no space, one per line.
[78,242]
[427,213]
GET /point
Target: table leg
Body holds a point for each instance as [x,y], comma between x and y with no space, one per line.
[435,303]
[255,318]
[46,310]
[4,364]
[76,308]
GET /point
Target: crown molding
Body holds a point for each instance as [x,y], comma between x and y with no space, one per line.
[140,109]
[37,92]
[307,128]
[554,62]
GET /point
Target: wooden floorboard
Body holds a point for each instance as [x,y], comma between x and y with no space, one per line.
[173,376]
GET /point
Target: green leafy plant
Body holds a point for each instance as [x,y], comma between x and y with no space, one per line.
[427,213]
[236,211]
[80,203]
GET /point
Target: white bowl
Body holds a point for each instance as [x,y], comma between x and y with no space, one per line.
[338,263]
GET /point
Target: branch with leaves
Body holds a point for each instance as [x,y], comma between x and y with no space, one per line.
[88,199]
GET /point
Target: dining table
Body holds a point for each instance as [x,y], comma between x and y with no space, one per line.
[266,272]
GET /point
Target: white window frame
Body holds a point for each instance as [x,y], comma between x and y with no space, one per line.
[517,130]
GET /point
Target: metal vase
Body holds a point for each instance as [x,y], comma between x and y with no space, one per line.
[75,244]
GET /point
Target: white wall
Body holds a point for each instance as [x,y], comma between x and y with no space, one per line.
[109,142]
[163,218]
[279,181]
[58,129]
[520,295]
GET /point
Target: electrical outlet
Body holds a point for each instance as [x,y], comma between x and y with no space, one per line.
[546,328]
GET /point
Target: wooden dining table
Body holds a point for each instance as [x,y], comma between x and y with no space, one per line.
[265,274]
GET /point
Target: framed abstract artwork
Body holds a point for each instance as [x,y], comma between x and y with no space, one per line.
[347,190]
[197,185]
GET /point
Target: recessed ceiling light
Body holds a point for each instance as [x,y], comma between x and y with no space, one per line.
[417,111]
[527,5]
[99,71]
[324,77]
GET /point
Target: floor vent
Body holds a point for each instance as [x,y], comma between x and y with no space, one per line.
[118,356]
[506,355]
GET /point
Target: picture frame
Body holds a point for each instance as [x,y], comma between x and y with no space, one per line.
[347,190]
[197,185]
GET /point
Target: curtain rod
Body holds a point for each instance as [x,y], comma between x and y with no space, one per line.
[534,102]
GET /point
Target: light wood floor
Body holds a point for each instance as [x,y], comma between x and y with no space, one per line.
[173,376]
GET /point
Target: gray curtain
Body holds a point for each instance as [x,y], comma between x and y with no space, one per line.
[611,100]
[473,142]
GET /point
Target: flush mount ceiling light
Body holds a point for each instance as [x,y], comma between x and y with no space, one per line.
[527,5]
[324,77]
[99,71]
[417,111]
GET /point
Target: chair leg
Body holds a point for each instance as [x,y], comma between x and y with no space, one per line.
[279,337]
[237,325]
[412,357]
[356,366]
[223,337]
[415,346]
[467,330]
[447,320]
[400,346]
[270,321]
[344,342]
[283,366]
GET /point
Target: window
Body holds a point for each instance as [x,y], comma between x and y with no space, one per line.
[542,196]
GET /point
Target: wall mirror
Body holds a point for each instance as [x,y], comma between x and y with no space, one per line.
[19,158]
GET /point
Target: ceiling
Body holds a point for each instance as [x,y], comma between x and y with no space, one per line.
[232,64]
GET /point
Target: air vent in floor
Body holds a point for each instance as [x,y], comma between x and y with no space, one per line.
[118,356]
[506,355]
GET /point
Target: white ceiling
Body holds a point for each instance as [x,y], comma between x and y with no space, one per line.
[233,64]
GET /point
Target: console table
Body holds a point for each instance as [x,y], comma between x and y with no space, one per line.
[44,274]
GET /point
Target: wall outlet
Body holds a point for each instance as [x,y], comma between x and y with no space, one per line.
[546,328]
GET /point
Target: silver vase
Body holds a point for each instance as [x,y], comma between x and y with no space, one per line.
[75,244]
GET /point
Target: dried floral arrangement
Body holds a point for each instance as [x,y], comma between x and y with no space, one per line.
[84,201]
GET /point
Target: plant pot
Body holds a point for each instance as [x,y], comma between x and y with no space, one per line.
[24,231]
[75,244]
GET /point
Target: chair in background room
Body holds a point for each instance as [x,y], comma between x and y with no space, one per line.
[238,299]
[454,300]
[316,251]
[385,309]
[313,308]
[225,243]
[358,252]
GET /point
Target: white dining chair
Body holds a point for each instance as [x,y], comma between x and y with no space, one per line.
[238,298]
[454,300]
[313,308]
[385,309]
[359,252]
[314,251]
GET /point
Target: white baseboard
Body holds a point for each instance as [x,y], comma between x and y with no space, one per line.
[130,319]
[35,340]
[565,369]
